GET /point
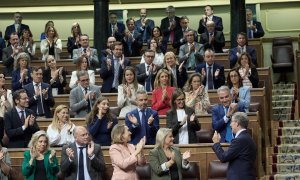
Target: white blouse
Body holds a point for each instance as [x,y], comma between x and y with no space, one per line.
[6,105]
[62,137]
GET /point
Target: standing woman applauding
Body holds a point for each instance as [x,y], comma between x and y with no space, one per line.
[52,44]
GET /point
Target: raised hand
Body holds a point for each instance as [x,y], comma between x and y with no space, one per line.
[132,119]
[90,148]
[180,66]
[108,63]
[186,155]
[33,153]
[140,145]
[52,155]
[192,118]
[203,73]
[151,119]
[109,125]
[217,72]
[31,120]
[2,155]
[216,137]
[165,94]
[184,120]
[70,153]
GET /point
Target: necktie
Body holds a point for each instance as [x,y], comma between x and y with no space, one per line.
[40,108]
[80,166]
[129,43]
[89,103]
[148,81]
[84,50]
[210,79]
[22,117]
[113,30]
[144,124]
[116,74]
[145,34]
[228,136]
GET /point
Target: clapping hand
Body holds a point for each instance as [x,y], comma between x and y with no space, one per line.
[203,73]
[180,66]
[132,119]
[108,63]
[2,155]
[31,120]
[52,155]
[217,72]
[109,124]
[90,148]
[184,120]
[151,119]
[186,155]
[45,93]
[192,118]
[140,145]
[216,137]
[70,153]
[33,153]
[165,94]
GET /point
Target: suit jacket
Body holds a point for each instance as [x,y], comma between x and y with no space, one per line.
[78,104]
[8,61]
[47,103]
[181,77]
[141,75]
[164,26]
[218,24]
[29,171]
[254,77]
[216,45]
[185,56]
[71,45]
[93,59]
[260,31]
[136,45]
[179,39]
[2,46]
[174,124]
[157,104]
[136,130]
[218,82]
[16,77]
[218,123]
[241,155]
[157,157]
[233,57]
[124,162]
[45,49]
[10,29]
[244,96]
[108,74]
[18,138]
[95,167]
[119,34]
[57,84]
[146,31]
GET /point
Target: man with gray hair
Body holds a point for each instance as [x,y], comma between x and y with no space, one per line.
[254,28]
[83,97]
[222,114]
[241,153]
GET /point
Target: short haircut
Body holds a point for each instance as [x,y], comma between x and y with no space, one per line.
[248,10]
[84,35]
[209,6]
[141,91]
[241,118]
[130,19]
[76,129]
[116,134]
[35,138]
[20,56]
[117,43]
[223,88]
[184,17]
[112,13]
[149,50]
[82,73]
[13,34]
[209,50]
[241,34]
[36,68]
[17,95]
[170,9]
[161,136]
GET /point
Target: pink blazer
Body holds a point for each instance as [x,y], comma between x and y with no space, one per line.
[162,106]
[124,162]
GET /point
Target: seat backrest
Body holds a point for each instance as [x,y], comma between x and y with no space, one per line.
[144,172]
[282,41]
[192,173]
[205,135]
[217,170]
[282,50]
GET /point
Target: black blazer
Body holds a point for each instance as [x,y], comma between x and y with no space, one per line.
[136,45]
[10,29]
[220,81]
[164,26]
[181,77]
[57,84]
[216,45]
[119,34]
[8,61]
[13,128]
[71,45]
[193,127]
[140,70]
[218,24]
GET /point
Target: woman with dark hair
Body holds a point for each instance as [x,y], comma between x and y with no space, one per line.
[157,35]
[82,64]
[100,122]
[161,95]
[27,43]
[248,71]
[52,44]
[44,34]
[22,72]
[73,40]
[127,91]
[196,95]
[182,120]
[124,156]
[54,76]
[240,93]
[159,56]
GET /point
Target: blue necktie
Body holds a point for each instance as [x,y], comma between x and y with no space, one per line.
[210,79]
[148,81]
[129,43]
[228,136]
[144,123]
[80,166]
[249,33]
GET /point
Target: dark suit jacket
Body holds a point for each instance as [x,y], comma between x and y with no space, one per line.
[10,29]
[181,77]
[8,61]
[13,128]
[218,122]
[47,103]
[71,45]
[57,84]
[2,46]
[218,82]
[108,75]
[233,57]
[254,77]
[120,33]
[260,31]
[218,24]
[16,77]
[241,155]
[136,130]
[136,45]
[96,166]
[193,127]
[164,26]
[216,45]
[146,30]
[140,71]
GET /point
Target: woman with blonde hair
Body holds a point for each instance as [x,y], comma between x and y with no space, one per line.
[127,91]
[100,122]
[52,44]
[21,74]
[162,93]
[60,131]
[124,156]
[165,160]
[40,162]
[73,40]
[196,95]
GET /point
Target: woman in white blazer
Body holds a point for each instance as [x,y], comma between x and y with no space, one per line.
[51,45]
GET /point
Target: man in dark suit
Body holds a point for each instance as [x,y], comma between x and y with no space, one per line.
[169,25]
[112,69]
[132,41]
[82,159]
[221,114]
[209,16]
[17,27]
[254,28]
[20,122]
[9,53]
[107,52]
[2,46]
[143,121]
[212,73]
[241,153]
[40,94]
[236,52]
[116,28]
[212,39]
[84,96]
[146,72]
[144,25]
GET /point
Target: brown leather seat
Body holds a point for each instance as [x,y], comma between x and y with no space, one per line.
[282,56]
[217,170]
[205,135]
